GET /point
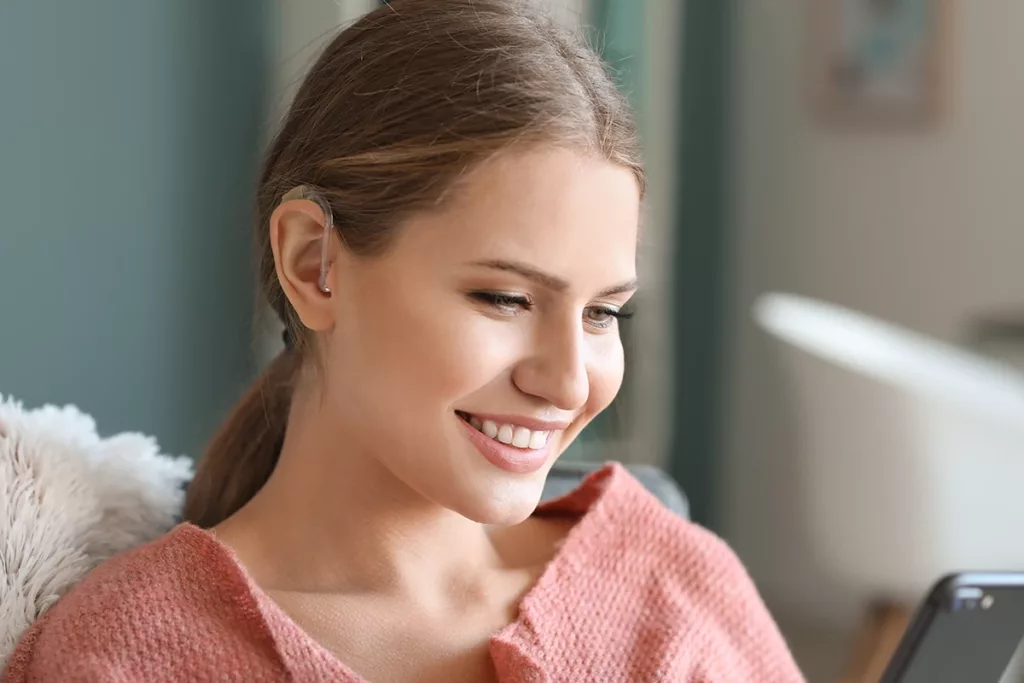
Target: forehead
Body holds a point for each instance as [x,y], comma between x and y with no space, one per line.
[561,211]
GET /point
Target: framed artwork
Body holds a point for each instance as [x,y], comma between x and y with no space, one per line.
[879,62]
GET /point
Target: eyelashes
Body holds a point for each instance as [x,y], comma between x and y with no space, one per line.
[505,303]
[601,317]
[608,313]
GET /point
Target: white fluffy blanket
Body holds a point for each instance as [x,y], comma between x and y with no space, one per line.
[69,500]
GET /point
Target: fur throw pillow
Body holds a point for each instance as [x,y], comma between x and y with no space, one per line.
[70,499]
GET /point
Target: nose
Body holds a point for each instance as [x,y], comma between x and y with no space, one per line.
[556,371]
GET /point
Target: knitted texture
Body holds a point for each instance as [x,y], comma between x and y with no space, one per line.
[635,593]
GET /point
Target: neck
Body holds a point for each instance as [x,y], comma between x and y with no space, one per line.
[331,521]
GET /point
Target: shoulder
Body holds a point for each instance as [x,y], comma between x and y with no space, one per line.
[621,517]
[676,584]
[157,612]
[671,544]
[654,544]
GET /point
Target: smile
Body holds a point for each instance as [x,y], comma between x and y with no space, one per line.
[513,435]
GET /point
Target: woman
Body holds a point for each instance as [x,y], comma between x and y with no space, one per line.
[447,224]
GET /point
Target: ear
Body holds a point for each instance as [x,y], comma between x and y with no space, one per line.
[296,238]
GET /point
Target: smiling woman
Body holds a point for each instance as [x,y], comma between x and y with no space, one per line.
[495,302]
[447,225]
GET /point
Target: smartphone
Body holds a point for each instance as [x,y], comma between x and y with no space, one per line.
[968,630]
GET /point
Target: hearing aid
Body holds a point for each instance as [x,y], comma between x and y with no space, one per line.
[306,192]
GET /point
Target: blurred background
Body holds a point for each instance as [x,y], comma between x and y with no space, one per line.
[861,154]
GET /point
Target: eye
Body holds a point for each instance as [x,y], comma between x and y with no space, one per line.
[504,303]
[604,317]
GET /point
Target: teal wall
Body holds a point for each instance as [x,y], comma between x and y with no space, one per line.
[700,207]
[700,255]
[129,136]
[617,31]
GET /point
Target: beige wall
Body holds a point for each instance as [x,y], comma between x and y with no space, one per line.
[923,228]
[299,31]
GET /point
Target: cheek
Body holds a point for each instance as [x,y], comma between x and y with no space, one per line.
[605,370]
[425,357]
[461,357]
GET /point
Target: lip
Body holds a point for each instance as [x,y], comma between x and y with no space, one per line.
[508,458]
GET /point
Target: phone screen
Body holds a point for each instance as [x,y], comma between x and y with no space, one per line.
[972,636]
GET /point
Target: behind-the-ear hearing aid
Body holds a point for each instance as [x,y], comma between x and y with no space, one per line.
[306,192]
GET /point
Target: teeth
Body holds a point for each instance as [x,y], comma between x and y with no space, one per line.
[505,434]
[521,437]
[511,435]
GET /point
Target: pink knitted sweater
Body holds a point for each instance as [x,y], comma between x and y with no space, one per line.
[635,593]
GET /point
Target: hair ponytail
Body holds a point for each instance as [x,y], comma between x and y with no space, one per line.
[243,453]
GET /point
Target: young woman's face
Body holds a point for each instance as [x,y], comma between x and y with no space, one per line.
[469,356]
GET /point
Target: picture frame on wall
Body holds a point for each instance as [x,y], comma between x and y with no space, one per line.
[879,62]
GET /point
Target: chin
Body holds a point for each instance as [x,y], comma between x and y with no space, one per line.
[504,500]
[492,516]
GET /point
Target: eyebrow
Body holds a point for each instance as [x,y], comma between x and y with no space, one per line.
[547,280]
